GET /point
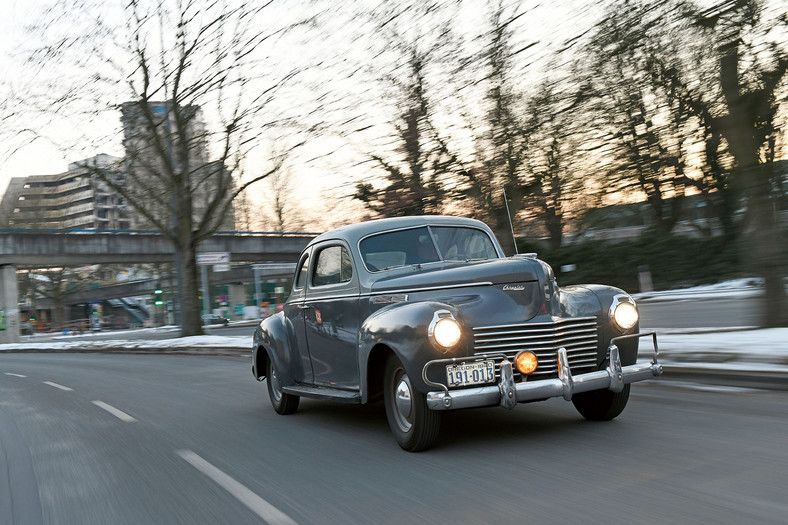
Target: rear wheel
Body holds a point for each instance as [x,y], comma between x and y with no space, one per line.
[283,403]
[601,405]
[414,425]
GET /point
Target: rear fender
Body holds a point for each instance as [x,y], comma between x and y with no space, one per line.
[272,340]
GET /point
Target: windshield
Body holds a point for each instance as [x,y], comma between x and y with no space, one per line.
[464,244]
[425,245]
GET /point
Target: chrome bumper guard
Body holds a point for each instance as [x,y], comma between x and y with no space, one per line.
[507,393]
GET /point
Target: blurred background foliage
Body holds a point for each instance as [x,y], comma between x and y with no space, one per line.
[673,261]
[579,120]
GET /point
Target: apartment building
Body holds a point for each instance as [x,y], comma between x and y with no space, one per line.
[147,132]
[77,199]
[70,200]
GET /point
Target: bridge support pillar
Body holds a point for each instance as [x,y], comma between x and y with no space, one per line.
[237,296]
[9,305]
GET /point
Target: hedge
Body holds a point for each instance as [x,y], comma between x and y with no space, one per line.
[674,261]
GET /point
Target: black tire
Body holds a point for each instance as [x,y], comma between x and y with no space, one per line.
[601,405]
[414,425]
[283,403]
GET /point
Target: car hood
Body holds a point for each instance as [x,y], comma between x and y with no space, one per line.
[497,271]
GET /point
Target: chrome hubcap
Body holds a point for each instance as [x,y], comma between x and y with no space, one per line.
[275,389]
[403,401]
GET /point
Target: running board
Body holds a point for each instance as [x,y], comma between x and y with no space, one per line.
[323,393]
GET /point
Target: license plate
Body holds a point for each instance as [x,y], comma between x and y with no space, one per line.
[475,373]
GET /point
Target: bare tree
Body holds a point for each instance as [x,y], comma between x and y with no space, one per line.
[195,97]
[751,69]
[279,208]
[413,161]
[413,176]
[647,127]
[678,75]
[551,181]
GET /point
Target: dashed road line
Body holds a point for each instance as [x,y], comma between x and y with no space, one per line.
[115,412]
[15,375]
[61,387]
[255,503]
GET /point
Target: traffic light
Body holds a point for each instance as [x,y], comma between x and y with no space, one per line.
[158,295]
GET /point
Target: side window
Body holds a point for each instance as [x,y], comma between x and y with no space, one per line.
[300,279]
[333,266]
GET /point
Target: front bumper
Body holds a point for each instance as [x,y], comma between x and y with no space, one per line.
[507,393]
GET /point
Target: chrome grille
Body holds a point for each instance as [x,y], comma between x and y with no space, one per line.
[578,335]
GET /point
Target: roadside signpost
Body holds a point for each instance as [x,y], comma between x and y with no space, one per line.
[221,263]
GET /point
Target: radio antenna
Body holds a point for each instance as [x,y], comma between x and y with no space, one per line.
[509,215]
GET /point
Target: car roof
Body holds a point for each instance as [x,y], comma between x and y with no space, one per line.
[355,232]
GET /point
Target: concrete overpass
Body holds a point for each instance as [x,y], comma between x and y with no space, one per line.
[146,286]
[48,249]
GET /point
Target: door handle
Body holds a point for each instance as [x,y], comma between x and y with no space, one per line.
[306,306]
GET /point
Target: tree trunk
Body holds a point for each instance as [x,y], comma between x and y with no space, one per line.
[191,315]
[739,131]
[769,252]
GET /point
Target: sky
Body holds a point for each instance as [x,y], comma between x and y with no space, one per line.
[325,168]
[324,163]
[37,158]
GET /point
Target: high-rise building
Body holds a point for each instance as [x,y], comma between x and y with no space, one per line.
[79,199]
[150,138]
[74,199]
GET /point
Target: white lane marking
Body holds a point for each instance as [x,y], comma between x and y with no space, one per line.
[256,504]
[115,412]
[61,387]
[15,375]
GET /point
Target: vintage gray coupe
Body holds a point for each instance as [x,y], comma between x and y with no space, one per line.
[427,314]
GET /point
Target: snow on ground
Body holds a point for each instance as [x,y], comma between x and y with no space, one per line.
[84,343]
[736,288]
[761,350]
[708,348]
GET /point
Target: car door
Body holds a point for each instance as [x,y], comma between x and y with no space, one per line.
[331,317]
[294,310]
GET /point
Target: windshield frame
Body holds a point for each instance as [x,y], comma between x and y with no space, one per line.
[441,256]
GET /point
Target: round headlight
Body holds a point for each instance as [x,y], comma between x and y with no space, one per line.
[447,332]
[625,315]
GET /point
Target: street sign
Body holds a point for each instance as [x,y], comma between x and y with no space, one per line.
[210,258]
[221,267]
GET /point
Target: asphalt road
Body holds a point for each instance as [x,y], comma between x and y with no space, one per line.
[149,439]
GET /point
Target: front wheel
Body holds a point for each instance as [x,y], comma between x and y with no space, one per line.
[414,425]
[601,405]
[283,403]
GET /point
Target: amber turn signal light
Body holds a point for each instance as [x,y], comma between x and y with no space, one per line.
[526,362]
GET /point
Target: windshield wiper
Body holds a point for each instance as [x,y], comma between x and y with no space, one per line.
[417,265]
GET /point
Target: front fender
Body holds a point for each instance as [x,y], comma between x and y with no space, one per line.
[402,328]
[272,340]
[596,299]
